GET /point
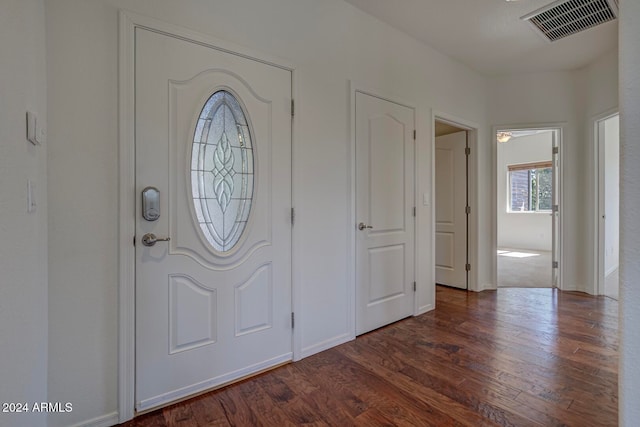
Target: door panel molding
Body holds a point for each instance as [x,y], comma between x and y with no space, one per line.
[128,23]
[180,285]
[258,289]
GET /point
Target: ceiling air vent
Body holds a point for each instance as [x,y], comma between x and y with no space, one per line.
[566,17]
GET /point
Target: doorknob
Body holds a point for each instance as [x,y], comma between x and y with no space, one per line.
[150,239]
[362,226]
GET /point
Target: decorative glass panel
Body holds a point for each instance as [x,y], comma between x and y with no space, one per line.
[222,171]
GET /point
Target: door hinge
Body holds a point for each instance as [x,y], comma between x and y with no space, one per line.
[293,320]
[414,286]
[134,240]
[554,208]
[467,210]
[414,211]
[555,150]
[467,267]
[554,264]
[414,134]
[467,151]
[293,216]
[293,108]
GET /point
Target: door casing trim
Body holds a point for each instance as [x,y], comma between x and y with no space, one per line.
[472,241]
[560,128]
[598,208]
[128,22]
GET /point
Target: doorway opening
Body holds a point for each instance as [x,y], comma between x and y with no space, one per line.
[527,171]
[607,133]
[452,204]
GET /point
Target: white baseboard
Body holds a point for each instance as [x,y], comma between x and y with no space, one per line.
[610,271]
[424,309]
[484,287]
[102,421]
[327,344]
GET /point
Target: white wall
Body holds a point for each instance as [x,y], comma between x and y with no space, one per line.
[629,368]
[597,96]
[573,99]
[330,43]
[522,230]
[544,98]
[23,236]
[611,194]
[598,83]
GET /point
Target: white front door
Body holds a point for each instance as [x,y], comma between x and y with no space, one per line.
[451,217]
[213,137]
[384,212]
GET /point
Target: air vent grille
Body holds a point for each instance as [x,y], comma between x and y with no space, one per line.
[567,17]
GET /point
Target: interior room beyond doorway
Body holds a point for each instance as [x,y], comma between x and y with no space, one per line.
[525,195]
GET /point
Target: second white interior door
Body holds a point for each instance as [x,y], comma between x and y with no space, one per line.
[451,226]
[384,212]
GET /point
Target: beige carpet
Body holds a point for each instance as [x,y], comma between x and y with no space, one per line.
[523,268]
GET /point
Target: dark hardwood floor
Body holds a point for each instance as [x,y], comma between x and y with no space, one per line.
[514,357]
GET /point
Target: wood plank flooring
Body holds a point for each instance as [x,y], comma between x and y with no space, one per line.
[512,357]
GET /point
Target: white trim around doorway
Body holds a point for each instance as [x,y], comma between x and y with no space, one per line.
[598,209]
[560,128]
[472,186]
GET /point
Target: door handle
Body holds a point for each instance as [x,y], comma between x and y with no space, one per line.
[362,226]
[150,239]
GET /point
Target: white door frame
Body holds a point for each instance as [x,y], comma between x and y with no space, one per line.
[560,129]
[472,231]
[598,211]
[128,22]
[351,216]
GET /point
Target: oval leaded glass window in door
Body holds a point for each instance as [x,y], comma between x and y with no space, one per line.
[222,171]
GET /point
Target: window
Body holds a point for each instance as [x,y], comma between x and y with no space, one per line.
[530,187]
[222,171]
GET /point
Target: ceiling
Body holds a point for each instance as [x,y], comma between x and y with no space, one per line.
[442,129]
[489,36]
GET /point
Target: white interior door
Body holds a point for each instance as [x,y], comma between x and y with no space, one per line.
[555,210]
[384,212]
[609,205]
[213,136]
[451,217]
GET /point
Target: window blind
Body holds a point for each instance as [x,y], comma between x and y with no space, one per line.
[528,166]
